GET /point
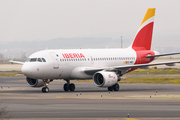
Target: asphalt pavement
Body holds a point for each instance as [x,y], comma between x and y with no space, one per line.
[89,101]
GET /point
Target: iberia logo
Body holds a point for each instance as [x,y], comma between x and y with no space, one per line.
[73,55]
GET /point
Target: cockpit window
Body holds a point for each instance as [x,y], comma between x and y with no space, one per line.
[43,60]
[33,59]
[39,60]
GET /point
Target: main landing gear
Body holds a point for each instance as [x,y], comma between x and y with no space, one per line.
[45,89]
[68,86]
[114,87]
[46,83]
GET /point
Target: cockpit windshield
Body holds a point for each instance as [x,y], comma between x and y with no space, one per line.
[43,60]
[39,60]
[35,60]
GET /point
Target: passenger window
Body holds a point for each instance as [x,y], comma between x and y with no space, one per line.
[39,60]
[33,59]
[43,60]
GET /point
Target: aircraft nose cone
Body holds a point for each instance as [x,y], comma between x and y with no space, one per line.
[26,70]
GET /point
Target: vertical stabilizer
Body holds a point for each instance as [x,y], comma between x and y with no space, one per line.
[143,37]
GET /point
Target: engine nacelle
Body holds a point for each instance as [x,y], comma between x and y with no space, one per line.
[105,79]
[34,82]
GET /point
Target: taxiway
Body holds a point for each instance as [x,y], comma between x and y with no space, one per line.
[23,102]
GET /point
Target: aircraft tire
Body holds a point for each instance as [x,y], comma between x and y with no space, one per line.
[45,89]
[71,87]
[66,87]
[110,88]
[116,87]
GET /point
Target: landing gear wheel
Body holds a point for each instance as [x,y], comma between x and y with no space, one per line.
[45,89]
[116,87]
[66,87]
[71,87]
[110,88]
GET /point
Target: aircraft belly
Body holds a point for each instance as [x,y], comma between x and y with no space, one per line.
[78,73]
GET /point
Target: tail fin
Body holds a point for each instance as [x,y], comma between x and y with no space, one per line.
[143,37]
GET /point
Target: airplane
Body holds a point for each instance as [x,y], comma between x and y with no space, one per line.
[104,66]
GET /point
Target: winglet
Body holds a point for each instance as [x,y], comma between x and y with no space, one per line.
[143,37]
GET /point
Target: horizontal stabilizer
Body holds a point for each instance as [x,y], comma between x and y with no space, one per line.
[162,55]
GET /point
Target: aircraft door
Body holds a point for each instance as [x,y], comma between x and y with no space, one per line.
[55,60]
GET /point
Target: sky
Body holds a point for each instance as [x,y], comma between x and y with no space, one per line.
[40,20]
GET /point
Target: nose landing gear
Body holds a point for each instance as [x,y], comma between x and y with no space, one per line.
[46,83]
[45,89]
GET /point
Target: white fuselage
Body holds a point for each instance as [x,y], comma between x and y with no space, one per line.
[70,64]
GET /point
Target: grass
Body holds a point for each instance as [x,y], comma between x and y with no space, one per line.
[154,71]
[11,75]
[154,80]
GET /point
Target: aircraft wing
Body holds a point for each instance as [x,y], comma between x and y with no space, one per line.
[91,71]
[145,65]
[18,62]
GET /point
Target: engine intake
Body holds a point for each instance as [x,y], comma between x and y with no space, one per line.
[105,79]
[34,82]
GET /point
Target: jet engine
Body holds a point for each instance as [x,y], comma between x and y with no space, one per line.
[105,79]
[34,82]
